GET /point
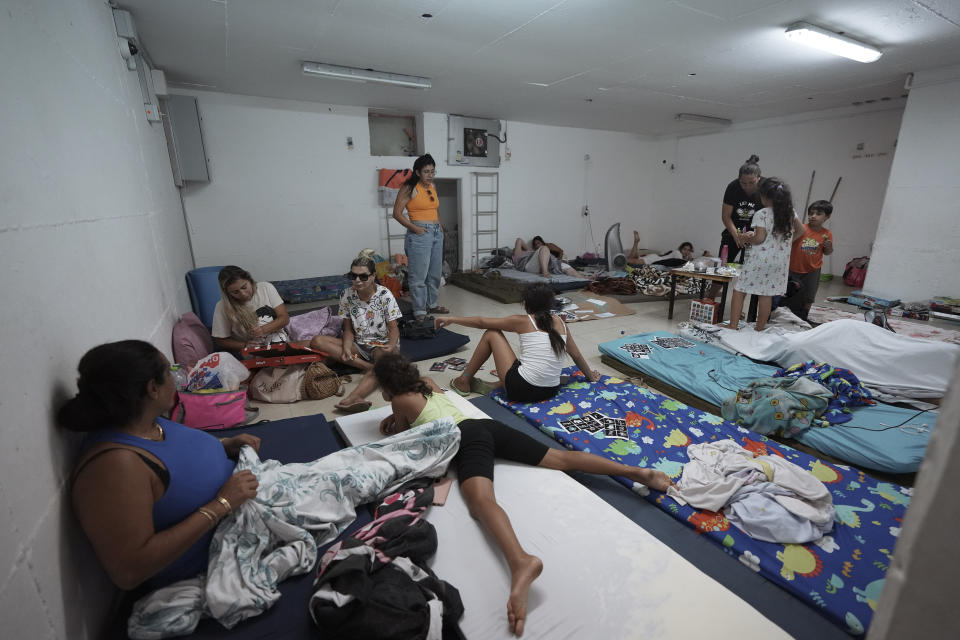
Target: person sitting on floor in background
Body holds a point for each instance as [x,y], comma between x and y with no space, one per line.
[541,258]
[675,258]
[806,257]
[416,401]
[764,273]
[370,314]
[544,340]
[148,492]
[248,312]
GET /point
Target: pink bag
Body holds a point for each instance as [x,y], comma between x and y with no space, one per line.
[210,410]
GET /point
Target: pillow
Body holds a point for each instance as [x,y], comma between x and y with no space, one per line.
[191,340]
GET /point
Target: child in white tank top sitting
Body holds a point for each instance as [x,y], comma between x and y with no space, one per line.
[544,340]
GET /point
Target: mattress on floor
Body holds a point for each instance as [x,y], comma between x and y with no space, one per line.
[304,290]
[603,576]
[507,290]
[840,576]
[880,437]
[559,282]
[302,439]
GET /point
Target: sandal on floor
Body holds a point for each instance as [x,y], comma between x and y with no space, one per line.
[356,407]
[458,390]
[439,310]
[480,386]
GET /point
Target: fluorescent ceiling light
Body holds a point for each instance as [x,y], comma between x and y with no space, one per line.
[364,75]
[830,42]
[696,117]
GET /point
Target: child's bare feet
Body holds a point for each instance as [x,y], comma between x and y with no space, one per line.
[520,581]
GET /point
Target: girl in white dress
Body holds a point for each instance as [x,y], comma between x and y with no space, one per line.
[764,272]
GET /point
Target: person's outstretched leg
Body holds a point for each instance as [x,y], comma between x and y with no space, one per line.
[367,383]
[590,463]
[478,494]
[543,258]
[493,342]
[519,247]
[736,308]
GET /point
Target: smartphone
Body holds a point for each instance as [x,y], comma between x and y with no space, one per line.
[440,490]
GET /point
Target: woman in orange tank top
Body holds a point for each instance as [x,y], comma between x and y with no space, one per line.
[423,243]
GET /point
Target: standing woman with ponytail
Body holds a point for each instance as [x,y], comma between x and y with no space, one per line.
[544,339]
[765,270]
[424,240]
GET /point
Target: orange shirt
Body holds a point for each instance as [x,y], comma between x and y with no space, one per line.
[807,252]
[423,207]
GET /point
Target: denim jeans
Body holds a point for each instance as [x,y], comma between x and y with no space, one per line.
[425,258]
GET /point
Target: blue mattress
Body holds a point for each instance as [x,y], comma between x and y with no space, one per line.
[301,439]
[840,576]
[871,440]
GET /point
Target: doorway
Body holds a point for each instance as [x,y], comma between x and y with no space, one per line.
[448,199]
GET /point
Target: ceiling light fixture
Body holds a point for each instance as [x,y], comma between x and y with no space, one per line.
[353,74]
[696,117]
[835,43]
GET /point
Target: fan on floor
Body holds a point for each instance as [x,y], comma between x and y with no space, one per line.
[613,249]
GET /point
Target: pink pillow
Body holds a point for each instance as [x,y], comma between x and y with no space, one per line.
[191,340]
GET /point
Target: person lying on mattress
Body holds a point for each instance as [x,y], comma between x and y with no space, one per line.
[677,257]
[542,258]
[416,401]
[370,314]
[544,340]
[148,492]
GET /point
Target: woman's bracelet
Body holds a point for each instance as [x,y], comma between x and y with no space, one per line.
[209,515]
[225,503]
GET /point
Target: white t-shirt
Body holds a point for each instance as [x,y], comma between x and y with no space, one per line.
[263,304]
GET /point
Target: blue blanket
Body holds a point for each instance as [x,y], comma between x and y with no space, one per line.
[840,576]
[881,437]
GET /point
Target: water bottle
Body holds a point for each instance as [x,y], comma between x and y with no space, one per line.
[179,376]
[723,255]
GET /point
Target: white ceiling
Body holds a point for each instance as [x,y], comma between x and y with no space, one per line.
[623,65]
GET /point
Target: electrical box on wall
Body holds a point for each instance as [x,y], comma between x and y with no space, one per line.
[473,142]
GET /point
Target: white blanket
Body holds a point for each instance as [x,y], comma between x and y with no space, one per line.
[275,535]
[889,361]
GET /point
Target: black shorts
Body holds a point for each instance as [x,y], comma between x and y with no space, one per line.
[734,253]
[483,440]
[519,390]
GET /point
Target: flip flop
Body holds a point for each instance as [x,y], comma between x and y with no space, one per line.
[356,407]
[460,391]
[439,310]
[481,387]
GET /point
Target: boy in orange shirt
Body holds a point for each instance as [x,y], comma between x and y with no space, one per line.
[806,257]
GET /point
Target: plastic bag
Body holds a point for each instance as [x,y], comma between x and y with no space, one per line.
[219,370]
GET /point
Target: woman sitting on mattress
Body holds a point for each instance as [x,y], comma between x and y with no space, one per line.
[249,312]
[541,258]
[544,339]
[417,400]
[148,492]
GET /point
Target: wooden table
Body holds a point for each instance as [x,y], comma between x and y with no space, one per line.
[725,280]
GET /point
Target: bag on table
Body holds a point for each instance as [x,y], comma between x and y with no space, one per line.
[209,410]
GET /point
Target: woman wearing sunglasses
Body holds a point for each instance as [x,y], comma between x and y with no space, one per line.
[424,241]
[370,329]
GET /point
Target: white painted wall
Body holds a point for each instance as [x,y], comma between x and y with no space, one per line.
[918,242]
[686,202]
[93,248]
[287,199]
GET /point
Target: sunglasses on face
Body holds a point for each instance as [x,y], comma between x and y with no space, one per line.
[363,277]
[430,193]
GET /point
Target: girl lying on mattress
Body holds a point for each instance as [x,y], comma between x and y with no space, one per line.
[417,400]
[544,338]
[148,492]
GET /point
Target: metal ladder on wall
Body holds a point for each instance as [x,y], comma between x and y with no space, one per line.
[388,212]
[486,214]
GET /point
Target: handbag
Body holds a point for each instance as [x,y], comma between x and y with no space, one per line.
[278,385]
[209,410]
